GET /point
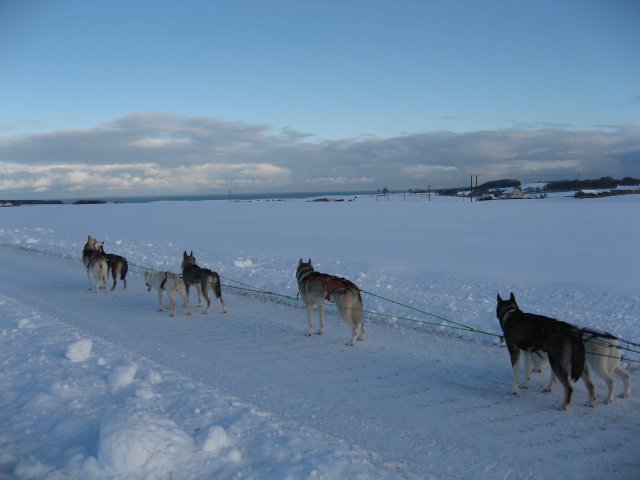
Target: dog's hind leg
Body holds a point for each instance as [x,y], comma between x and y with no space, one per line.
[114,275]
[514,354]
[218,291]
[205,294]
[123,274]
[552,380]
[160,306]
[186,304]
[611,385]
[321,316]
[527,367]
[358,319]
[363,334]
[626,380]
[309,310]
[590,388]
[561,366]
[224,307]
[354,333]
[344,303]
[560,361]
[172,303]
[182,291]
[568,390]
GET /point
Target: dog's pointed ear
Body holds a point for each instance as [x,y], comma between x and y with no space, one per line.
[184,254]
[499,298]
[191,254]
[309,259]
[512,298]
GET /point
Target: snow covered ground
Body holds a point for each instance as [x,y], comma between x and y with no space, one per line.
[104,386]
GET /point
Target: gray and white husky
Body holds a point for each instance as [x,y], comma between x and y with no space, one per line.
[603,356]
[95,263]
[167,282]
[203,279]
[533,333]
[316,287]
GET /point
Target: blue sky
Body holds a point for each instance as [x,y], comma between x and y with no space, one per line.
[153,97]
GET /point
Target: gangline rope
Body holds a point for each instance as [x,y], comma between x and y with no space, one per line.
[449,323]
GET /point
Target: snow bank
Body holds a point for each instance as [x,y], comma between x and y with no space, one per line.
[129,442]
[79,351]
[122,376]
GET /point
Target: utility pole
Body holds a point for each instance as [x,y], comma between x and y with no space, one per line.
[472,191]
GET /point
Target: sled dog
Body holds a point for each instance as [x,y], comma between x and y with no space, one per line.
[95,263]
[119,267]
[170,283]
[203,279]
[603,356]
[562,342]
[316,287]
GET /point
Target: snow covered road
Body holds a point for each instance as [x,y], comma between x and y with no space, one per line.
[412,403]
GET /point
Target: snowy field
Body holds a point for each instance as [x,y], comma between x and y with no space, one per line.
[106,387]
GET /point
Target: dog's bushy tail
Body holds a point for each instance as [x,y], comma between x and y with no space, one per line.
[577,356]
[216,286]
[125,269]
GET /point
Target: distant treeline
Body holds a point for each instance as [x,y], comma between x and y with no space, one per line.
[17,203]
[554,186]
[600,183]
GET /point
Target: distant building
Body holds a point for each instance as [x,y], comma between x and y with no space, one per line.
[514,192]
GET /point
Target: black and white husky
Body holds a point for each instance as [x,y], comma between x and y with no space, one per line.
[203,279]
[118,266]
[533,333]
[316,287]
[170,283]
[603,357]
[94,263]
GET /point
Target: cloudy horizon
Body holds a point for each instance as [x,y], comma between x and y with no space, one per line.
[156,154]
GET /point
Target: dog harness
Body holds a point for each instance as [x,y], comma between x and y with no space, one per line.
[164,281]
[332,283]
